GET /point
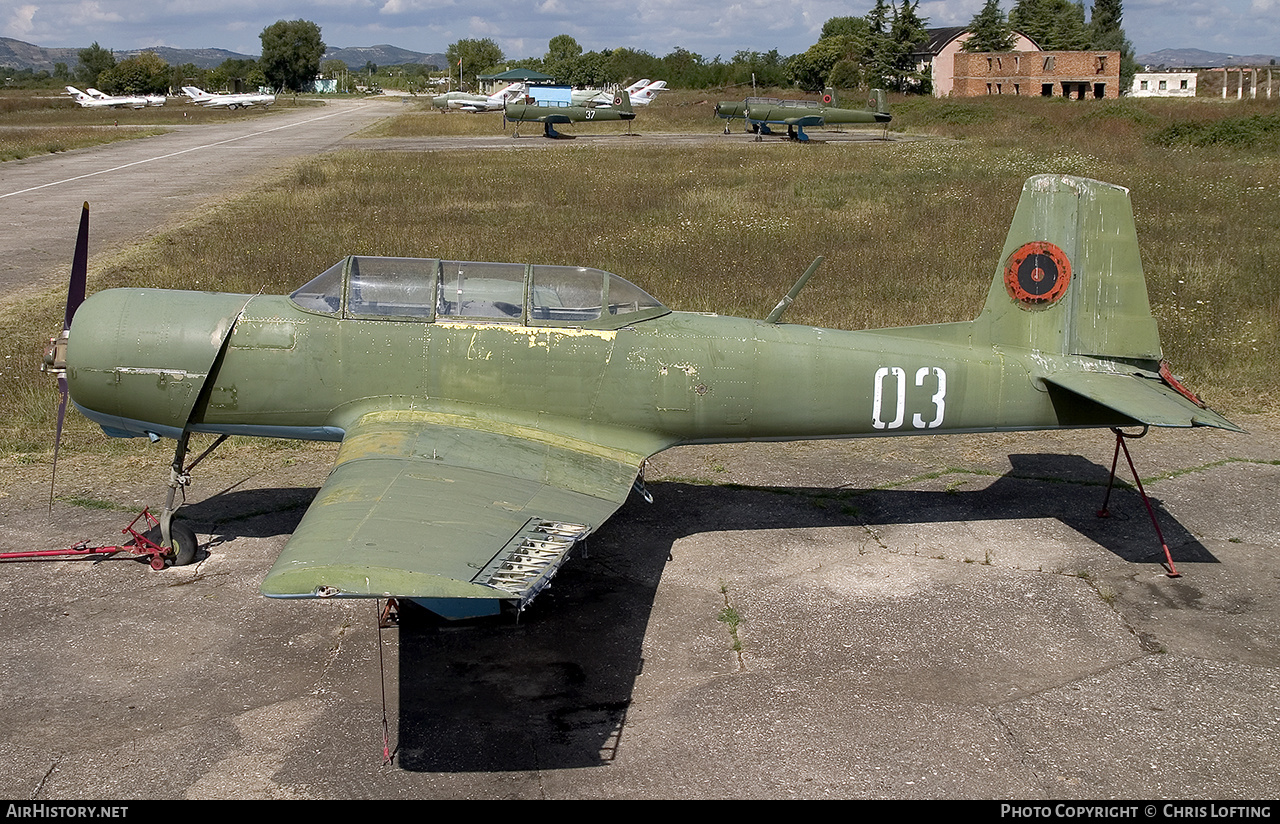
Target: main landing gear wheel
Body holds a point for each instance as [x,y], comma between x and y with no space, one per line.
[184,542]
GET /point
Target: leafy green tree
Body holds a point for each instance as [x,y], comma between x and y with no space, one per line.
[146,73]
[765,68]
[877,56]
[236,74]
[188,74]
[629,65]
[93,62]
[477,56]
[812,68]
[846,74]
[845,26]
[990,29]
[907,36]
[683,68]
[291,52]
[562,56]
[1055,25]
[590,69]
[1106,33]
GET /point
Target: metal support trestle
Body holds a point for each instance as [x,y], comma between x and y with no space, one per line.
[1172,571]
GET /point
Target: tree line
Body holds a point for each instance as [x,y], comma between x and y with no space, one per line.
[291,52]
[882,49]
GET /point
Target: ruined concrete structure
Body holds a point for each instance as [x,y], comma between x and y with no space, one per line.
[1024,70]
[1075,74]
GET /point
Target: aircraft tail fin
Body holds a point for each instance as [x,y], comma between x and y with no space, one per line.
[622,101]
[1070,279]
[877,102]
[1070,283]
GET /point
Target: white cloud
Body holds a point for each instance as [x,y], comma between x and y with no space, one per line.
[19,23]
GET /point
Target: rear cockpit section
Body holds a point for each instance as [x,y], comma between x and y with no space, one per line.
[427,289]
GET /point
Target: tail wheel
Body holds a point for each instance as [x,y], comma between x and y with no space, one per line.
[184,542]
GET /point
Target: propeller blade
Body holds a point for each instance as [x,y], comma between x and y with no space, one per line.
[57,439]
[56,355]
[79,268]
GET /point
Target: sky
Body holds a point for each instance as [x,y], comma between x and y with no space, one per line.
[706,27]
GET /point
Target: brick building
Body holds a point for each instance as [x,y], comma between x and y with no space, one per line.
[1024,70]
[1074,74]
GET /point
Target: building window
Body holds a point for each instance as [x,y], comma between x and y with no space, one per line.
[1102,63]
[1142,84]
[988,88]
[1183,84]
[1048,63]
[1164,84]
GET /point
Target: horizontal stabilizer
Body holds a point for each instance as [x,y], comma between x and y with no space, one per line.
[1145,400]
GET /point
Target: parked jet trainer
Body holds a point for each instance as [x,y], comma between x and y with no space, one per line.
[491,415]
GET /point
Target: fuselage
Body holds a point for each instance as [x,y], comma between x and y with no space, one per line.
[138,360]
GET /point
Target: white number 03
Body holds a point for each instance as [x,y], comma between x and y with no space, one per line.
[896,401]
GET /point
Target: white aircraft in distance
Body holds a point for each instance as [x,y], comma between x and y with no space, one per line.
[149,99]
[478,102]
[642,92]
[229,101]
[646,95]
[105,101]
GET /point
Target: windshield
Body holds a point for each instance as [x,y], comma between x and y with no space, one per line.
[430,289]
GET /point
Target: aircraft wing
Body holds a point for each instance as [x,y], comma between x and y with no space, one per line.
[807,120]
[1146,400]
[429,506]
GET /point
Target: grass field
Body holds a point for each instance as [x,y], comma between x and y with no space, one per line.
[911,230]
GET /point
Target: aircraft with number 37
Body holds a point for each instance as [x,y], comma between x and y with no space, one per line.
[491,415]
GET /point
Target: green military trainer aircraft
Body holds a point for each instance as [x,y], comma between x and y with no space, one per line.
[760,112]
[491,415]
[548,115]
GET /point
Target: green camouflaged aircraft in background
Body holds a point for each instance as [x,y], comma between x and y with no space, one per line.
[491,415]
[549,115]
[761,112]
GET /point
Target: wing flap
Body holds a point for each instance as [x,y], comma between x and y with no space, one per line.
[1145,400]
[422,505]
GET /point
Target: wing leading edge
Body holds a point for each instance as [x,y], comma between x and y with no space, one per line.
[434,506]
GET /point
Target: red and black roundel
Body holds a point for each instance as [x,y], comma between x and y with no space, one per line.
[1037,274]
[826,98]
[617,100]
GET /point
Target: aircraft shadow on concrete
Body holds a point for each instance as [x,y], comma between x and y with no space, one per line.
[553,689]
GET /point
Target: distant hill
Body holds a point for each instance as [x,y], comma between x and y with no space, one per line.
[357,56]
[1200,59]
[16,54]
[202,58]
